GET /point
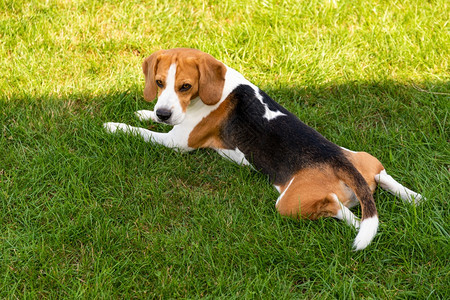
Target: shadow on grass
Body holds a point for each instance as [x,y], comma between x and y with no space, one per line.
[351,114]
[46,140]
[395,122]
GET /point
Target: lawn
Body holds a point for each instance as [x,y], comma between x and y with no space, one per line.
[85,214]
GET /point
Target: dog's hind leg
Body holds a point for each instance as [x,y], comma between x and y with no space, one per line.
[344,213]
[299,203]
[386,182]
[317,193]
[313,194]
[375,174]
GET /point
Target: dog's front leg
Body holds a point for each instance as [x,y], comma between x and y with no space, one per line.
[146,115]
[169,139]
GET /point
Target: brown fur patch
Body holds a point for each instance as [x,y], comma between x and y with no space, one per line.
[207,133]
[149,68]
[308,196]
[367,165]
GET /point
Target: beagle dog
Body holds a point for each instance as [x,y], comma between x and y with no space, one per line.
[213,106]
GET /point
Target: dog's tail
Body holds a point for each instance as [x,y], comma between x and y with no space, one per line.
[369,220]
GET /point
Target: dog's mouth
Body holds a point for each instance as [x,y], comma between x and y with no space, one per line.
[177,120]
[173,120]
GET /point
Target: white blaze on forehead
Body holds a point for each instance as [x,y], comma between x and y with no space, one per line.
[170,80]
[169,98]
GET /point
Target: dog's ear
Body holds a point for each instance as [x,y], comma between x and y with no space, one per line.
[149,68]
[212,79]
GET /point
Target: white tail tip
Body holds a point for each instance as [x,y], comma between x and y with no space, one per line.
[367,230]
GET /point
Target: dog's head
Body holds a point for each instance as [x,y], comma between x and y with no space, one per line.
[177,77]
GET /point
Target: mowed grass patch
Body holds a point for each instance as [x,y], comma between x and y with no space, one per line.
[86,214]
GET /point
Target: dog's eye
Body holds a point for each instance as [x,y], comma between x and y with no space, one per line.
[185,87]
[159,83]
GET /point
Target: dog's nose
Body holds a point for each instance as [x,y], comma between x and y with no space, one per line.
[163,114]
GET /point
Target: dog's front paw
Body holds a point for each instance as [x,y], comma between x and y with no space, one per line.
[112,127]
[145,115]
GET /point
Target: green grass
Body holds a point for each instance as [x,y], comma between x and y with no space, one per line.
[89,215]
